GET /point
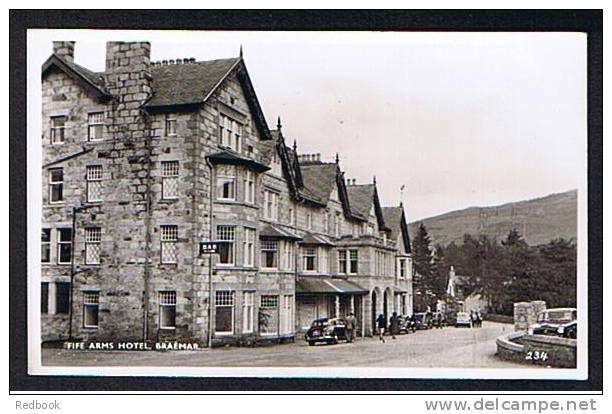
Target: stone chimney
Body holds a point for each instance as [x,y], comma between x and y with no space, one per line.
[128,71]
[64,49]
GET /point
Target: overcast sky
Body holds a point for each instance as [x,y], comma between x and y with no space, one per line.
[461,119]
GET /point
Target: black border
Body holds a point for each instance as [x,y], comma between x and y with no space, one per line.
[588,21]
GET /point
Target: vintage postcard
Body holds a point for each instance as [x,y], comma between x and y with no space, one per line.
[308,204]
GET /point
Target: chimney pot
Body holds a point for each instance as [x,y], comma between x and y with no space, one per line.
[64,49]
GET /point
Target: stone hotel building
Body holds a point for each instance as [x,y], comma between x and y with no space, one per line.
[146,160]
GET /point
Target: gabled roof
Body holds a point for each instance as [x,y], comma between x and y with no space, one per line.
[192,83]
[91,81]
[319,179]
[361,198]
[187,83]
[395,220]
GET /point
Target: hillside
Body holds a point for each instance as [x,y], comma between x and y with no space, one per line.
[539,220]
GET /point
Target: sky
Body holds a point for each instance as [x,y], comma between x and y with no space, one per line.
[459,119]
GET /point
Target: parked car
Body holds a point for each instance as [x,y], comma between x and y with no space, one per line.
[328,330]
[463,319]
[422,320]
[556,321]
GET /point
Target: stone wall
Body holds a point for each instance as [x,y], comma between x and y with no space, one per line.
[525,314]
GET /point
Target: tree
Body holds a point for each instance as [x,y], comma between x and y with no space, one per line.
[422,260]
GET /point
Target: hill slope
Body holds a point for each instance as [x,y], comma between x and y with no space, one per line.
[539,220]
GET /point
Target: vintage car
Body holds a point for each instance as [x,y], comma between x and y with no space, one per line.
[422,320]
[556,321]
[328,330]
[463,319]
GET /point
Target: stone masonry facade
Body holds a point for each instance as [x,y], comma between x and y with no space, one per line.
[145,161]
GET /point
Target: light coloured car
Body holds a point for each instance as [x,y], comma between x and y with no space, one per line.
[463,319]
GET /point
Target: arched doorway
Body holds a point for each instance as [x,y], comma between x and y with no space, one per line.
[386,300]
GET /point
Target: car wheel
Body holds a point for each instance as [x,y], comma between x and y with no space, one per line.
[311,343]
[334,340]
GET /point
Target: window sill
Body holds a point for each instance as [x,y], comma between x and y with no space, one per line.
[167,328]
[168,201]
[229,201]
[91,328]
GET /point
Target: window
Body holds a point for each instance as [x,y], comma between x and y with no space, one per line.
[269,254]
[287,315]
[249,187]
[337,225]
[62,297]
[169,239]
[230,133]
[324,261]
[64,246]
[247,312]
[309,220]
[354,261]
[270,205]
[167,309]
[170,125]
[58,126]
[326,222]
[93,237]
[226,250]
[45,242]
[96,126]
[288,260]
[249,247]
[170,179]
[91,303]
[342,261]
[44,297]
[276,166]
[309,256]
[224,312]
[94,183]
[291,216]
[56,185]
[226,179]
[402,267]
[268,315]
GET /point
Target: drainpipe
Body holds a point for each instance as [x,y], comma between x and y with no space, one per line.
[148,219]
[72,271]
[210,256]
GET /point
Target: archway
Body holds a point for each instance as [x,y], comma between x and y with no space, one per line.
[386,299]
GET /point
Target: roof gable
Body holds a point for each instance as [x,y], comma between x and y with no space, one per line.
[395,220]
[193,83]
[92,82]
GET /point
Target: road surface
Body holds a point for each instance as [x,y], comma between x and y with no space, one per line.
[436,348]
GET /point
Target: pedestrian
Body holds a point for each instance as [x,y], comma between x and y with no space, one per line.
[351,324]
[394,325]
[473,318]
[479,319]
[381,323]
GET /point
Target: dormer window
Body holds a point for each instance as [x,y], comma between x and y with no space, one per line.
[276,167]
[230,133]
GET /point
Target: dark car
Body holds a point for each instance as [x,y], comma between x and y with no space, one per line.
[328,330]
[557,321]
[422,320]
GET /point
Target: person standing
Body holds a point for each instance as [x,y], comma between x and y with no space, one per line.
[381,323]
[351,324]
[394,325]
